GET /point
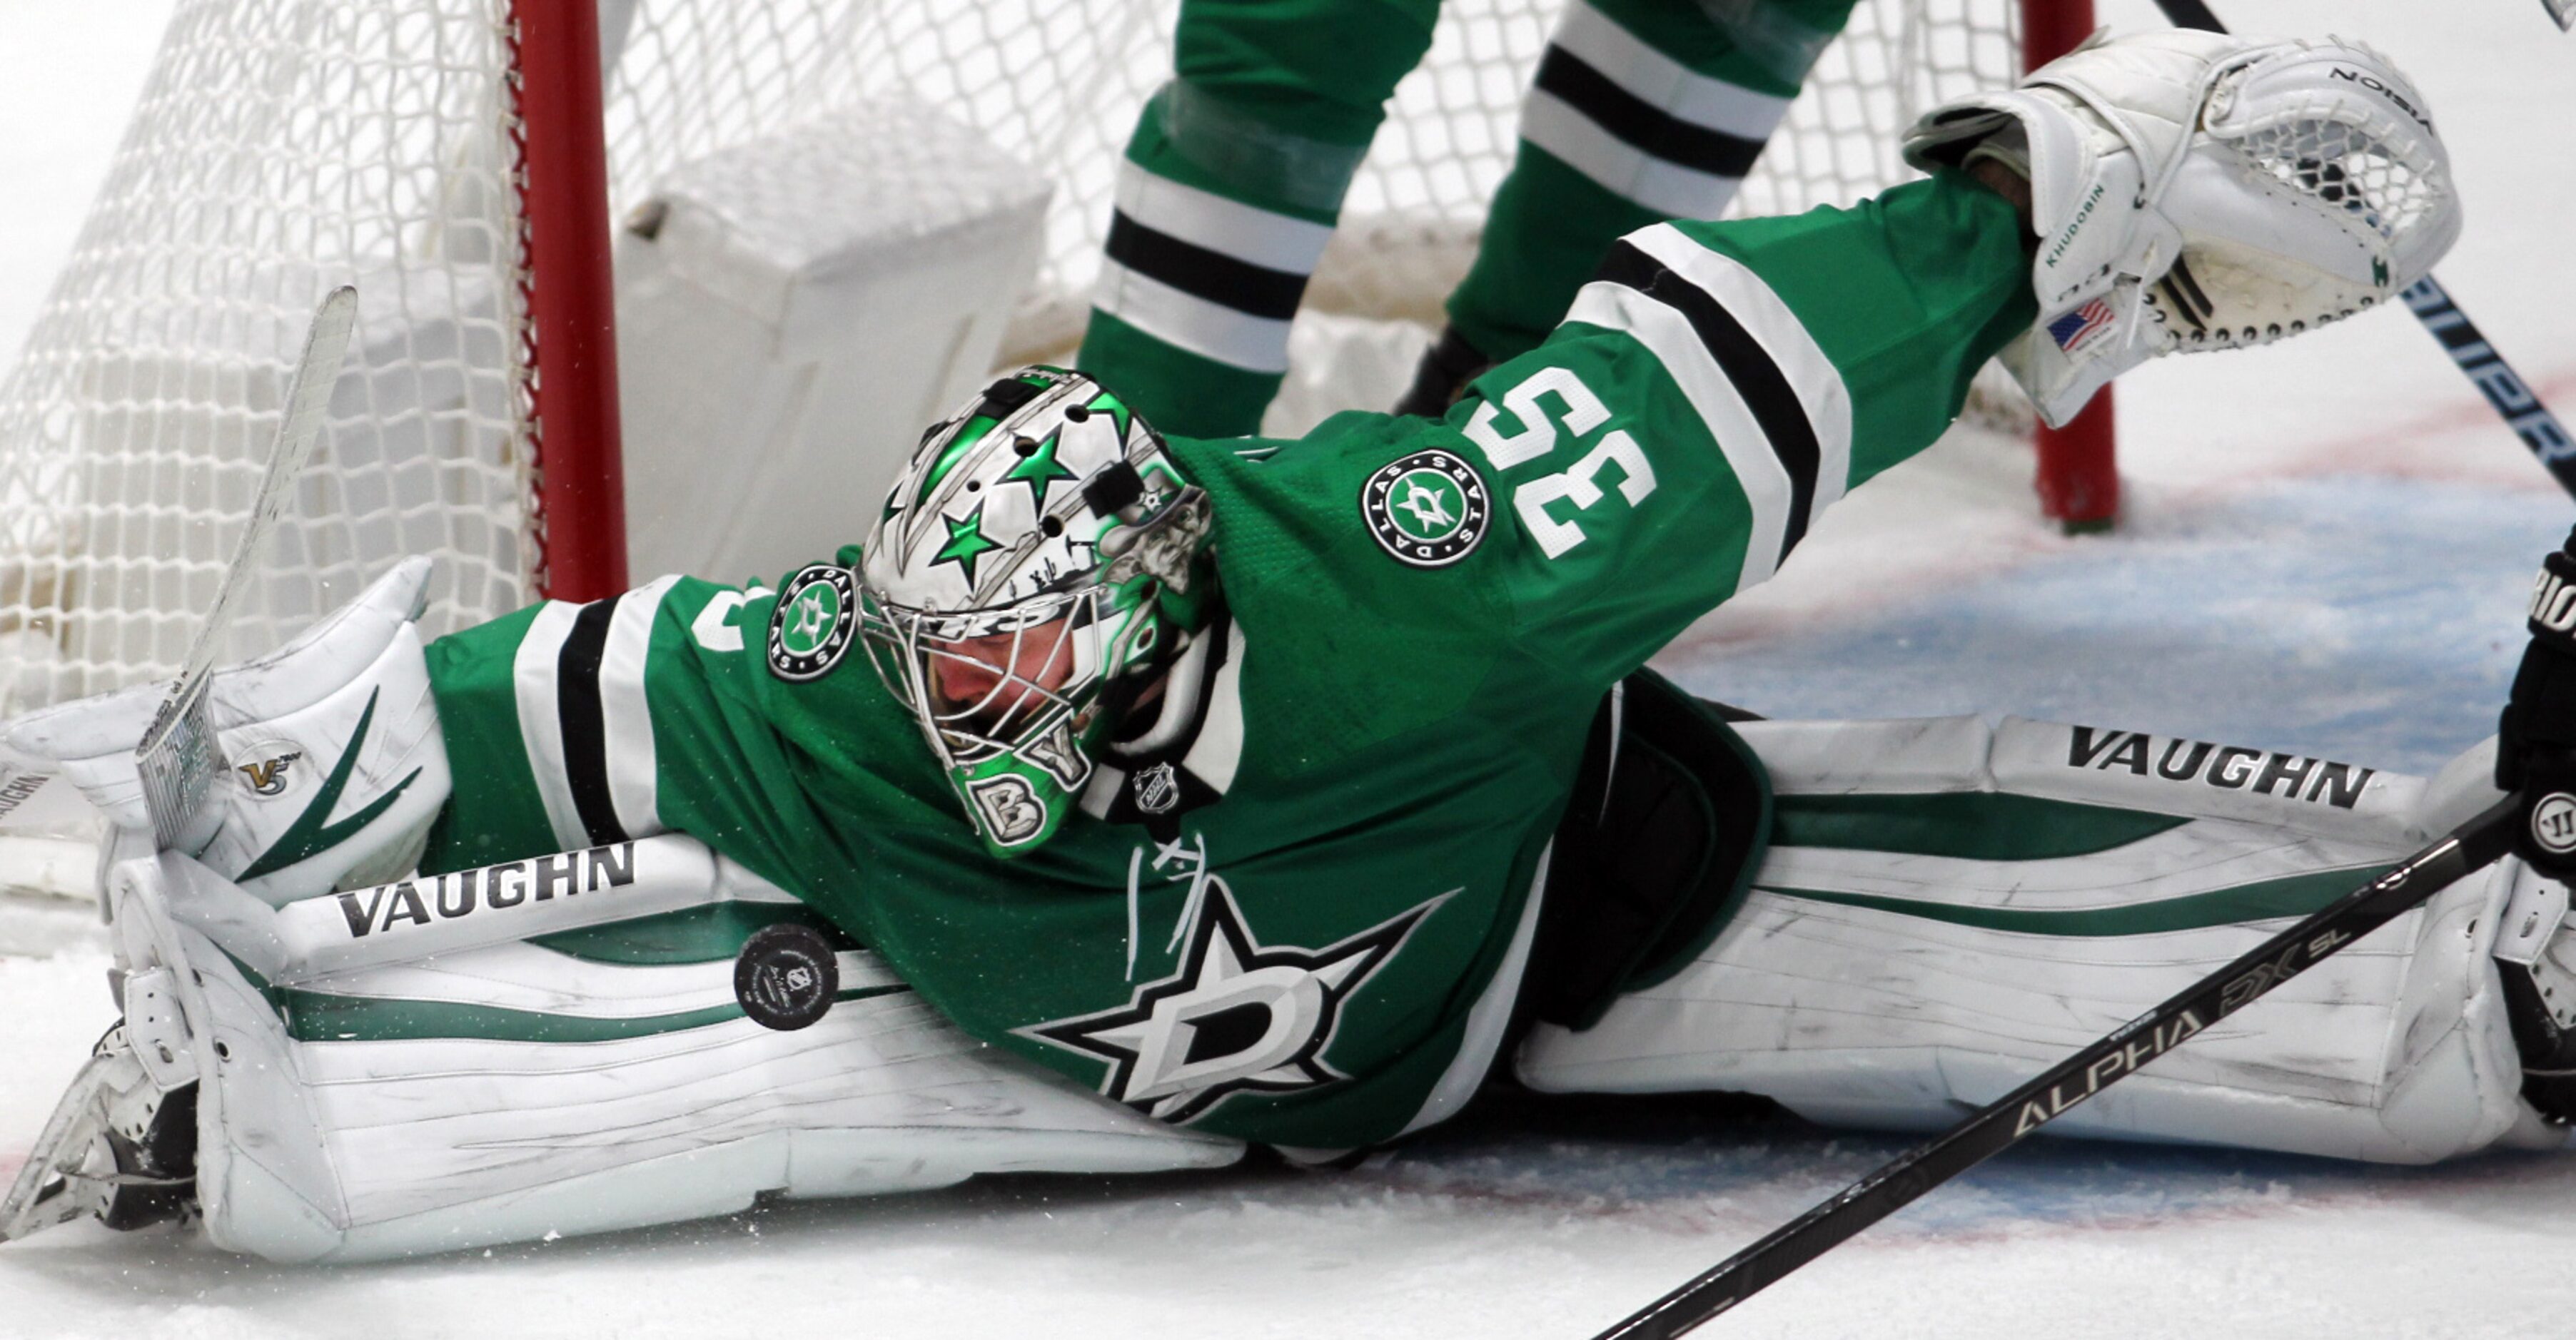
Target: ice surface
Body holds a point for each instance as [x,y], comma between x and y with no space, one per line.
[2325,549]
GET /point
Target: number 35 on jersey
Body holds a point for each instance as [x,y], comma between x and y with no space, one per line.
[1553,506]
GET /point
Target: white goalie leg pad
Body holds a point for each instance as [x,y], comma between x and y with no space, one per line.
[1902,988]
[338,767]
[383,1102]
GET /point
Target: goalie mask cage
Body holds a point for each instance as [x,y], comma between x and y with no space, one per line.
[460,161]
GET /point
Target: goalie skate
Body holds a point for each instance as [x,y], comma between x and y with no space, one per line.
[120,1148]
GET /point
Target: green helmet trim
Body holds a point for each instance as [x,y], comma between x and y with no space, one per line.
[959,446]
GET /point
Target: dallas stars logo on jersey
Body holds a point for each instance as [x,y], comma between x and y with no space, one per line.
[1238,1016]
[812,622]
[1427,509]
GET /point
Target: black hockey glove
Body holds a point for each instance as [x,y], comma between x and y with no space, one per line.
[2536,740]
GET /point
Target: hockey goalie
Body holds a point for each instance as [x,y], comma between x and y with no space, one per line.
[1126,800]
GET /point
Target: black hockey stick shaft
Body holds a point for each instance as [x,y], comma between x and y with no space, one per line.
[2003,1123]
[2190,14]
[2504,388]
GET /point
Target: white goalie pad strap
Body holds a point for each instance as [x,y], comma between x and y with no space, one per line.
[514,1091]
[2534,936]
[2531,918]
[1901,988]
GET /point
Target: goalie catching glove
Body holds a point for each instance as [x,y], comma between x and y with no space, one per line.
[2196,191]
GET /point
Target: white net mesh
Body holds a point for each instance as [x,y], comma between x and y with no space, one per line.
[283,146]
[280,148]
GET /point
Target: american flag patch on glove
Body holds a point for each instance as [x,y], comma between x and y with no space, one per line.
[2080,325]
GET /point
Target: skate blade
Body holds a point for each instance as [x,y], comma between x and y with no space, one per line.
[42,1196]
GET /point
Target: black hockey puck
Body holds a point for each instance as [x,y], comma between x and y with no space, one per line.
[786,976]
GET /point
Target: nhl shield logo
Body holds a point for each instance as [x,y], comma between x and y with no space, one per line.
[811,625]
[1158,789]
[1427,510]
[786,976]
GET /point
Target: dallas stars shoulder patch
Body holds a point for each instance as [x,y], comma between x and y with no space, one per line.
[810,627]
[1428,509]
[1237,1016]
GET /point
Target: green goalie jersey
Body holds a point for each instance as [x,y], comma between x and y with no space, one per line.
[1298,913]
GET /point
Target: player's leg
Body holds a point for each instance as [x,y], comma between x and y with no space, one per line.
[634,1035]
[1944,910]
[1229,189]
[1641,111]
[637,1033]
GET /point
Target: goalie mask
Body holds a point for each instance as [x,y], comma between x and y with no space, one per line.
[1035,564]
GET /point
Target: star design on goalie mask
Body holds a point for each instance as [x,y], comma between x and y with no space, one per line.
[966,542]
[1238,1016]
[1039,470]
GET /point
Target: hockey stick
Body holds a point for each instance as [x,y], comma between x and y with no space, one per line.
[179,758]
[2505,389]
[2002,1123]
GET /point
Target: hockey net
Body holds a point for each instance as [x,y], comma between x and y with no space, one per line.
[285,146]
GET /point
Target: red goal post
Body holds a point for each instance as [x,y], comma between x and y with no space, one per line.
[578,535]
[466,164]
[2078,475]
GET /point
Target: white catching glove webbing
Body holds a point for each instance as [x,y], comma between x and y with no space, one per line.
[2196,191]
